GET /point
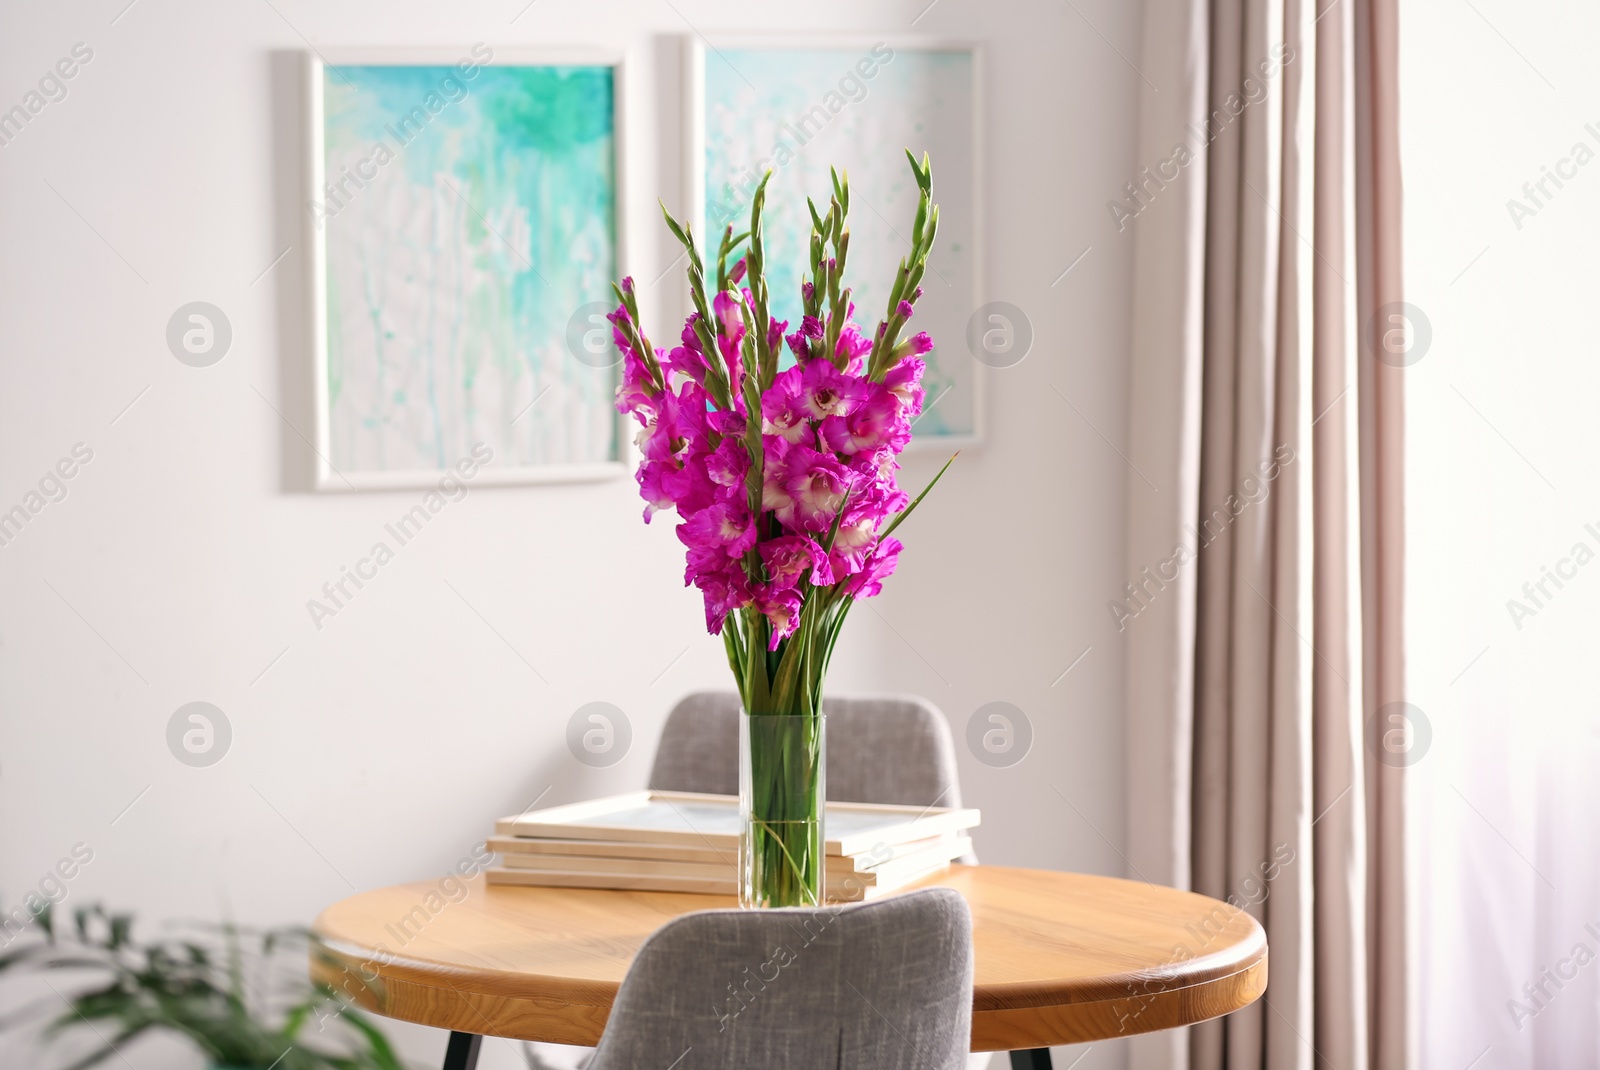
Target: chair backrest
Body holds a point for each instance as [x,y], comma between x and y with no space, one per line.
[891,749]
[886,984]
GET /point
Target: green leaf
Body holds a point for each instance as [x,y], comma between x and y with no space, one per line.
[833,529]
[902,514]
[382,1055]
[816,220]
[102,1054]
[121,925]
[197,991]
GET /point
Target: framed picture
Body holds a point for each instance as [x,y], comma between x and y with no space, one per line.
[465,215]
[698,820]
[799,107]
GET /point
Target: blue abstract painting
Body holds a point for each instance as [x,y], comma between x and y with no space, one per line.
[468,214]
[799,111]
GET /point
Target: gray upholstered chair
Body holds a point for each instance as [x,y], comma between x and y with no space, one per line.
[890,749]
[893,749]
[886,985]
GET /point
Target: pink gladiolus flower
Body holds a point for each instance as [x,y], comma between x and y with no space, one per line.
[825,391]
[789,557]
[685,364]
[679,424]
[904,381]
[677,481]
[689,359]
[817,484]
[854,346]
[655,440]
[851,544]
[880,565]
[724,592]
[876,465]
[729,310]
[725,423]
[728,307]
[689,336]
[728,463]
[782,608]
[689,416]
[800,340]
[701,561]
[823,449]
[775,496]
[798,346]
[636,389]
[876,496]
[651,489]
[876,422]
[783,408]
[725,524]
[691,488]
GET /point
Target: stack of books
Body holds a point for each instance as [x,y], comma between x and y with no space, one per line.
[682,842]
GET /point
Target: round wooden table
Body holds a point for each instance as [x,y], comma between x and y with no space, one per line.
[1059,958]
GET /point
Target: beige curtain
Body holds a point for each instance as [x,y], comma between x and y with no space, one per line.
[1266,238]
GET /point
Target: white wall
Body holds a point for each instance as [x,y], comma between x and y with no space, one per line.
[378,749]
[1502,484]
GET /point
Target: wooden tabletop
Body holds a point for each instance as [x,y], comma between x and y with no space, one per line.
[1060,958]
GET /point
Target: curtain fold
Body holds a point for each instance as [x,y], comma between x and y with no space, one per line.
[1392,941]
[1167,343]
[1253,679]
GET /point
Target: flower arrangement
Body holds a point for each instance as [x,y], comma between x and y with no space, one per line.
[783,478]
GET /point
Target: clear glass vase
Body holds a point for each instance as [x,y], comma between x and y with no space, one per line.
[781,794]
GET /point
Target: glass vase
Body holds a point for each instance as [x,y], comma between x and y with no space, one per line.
[781,796]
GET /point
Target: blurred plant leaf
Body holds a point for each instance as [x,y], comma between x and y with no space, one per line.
[222,995]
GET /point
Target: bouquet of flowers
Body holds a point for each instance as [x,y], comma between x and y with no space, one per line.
[783,477]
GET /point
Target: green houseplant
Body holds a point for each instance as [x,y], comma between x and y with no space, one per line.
[241,997]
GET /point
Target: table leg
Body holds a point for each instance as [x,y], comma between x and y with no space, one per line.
[462,1052]
[1031,1059]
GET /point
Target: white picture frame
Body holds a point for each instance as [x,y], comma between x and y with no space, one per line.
[659,817]
[332,478]
[950,340]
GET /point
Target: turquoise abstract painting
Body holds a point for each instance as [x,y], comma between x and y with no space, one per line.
[468,217]
[798,111]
